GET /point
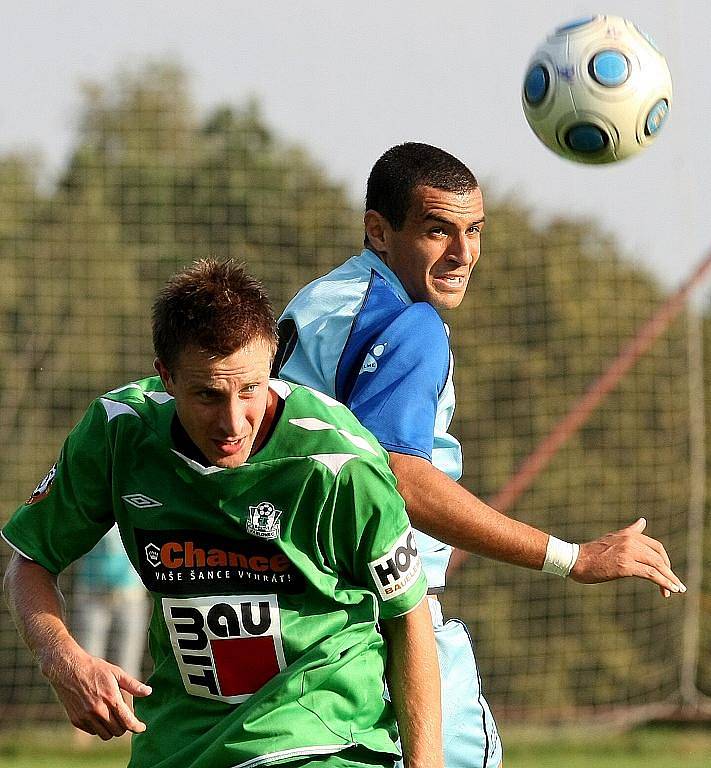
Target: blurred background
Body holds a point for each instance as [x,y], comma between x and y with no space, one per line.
[137,137]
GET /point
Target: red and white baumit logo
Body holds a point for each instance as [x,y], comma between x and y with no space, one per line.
[226,647]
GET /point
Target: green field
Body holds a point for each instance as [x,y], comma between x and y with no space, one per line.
[649,747]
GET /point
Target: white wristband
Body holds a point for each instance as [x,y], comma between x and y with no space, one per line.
[560,557]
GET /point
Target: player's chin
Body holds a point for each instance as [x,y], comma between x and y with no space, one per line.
[447,299]
[229,460]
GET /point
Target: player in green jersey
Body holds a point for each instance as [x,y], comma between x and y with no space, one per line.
[265,522]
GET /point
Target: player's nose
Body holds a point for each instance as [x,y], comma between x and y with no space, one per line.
[463,250]
[232,418]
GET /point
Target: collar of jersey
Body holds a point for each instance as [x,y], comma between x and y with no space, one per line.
[373,261]
[282,390]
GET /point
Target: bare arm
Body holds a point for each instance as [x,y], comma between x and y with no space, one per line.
[444,509]
[89,688]
[414,684]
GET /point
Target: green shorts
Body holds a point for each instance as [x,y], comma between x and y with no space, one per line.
[355,757]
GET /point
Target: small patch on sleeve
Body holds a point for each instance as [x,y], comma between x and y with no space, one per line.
[44,486]
[395,572]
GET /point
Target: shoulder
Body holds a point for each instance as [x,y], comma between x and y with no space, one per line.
[316,425]
[140,401]
[386,320]
[340,292]
[423,318]
[414,336]
[140,391]
[386,305]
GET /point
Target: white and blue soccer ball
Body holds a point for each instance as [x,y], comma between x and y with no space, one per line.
[598,90]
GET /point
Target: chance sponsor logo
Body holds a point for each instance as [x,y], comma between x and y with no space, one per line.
[226,647]
[44,486]
[197,562]
[395,572]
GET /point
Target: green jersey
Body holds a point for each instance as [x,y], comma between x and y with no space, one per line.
[268,579]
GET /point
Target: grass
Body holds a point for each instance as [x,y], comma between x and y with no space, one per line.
[653,746]
[54,748]
[648,747]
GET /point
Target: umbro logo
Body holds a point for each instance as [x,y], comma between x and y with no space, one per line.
[140,501]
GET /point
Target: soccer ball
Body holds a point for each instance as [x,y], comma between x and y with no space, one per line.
[598,90]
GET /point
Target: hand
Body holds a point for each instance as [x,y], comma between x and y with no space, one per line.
[627,552]
[92,692]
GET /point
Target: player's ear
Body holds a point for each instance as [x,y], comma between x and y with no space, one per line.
[376,230]
[164,374]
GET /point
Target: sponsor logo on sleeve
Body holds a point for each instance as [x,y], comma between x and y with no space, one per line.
[189,562]
[397,571]
[227,647]
[44,486]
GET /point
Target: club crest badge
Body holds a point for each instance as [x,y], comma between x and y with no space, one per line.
[263,521]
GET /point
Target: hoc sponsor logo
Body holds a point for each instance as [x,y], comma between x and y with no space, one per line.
[396,571]
[189,562]
[263,521]
[226,647]
[44,486]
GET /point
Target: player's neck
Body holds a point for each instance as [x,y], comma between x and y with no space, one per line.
[269,422]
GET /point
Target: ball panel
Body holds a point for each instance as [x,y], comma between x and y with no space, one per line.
[575,24]
[610,68]
[536,84]
[656,117]
[586,138]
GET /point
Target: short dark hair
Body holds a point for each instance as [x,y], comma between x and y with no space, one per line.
[403,168]
[212,305]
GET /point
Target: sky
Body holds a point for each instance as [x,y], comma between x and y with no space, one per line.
[347,79]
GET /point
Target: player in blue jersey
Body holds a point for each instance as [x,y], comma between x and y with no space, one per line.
[369,334]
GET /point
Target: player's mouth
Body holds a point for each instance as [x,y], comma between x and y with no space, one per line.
[451,282]
[230,447]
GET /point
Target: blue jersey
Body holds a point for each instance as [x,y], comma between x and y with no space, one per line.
[356,335]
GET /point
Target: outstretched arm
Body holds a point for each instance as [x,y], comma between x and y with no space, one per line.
[89,688]
[414,684]
[444,509]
